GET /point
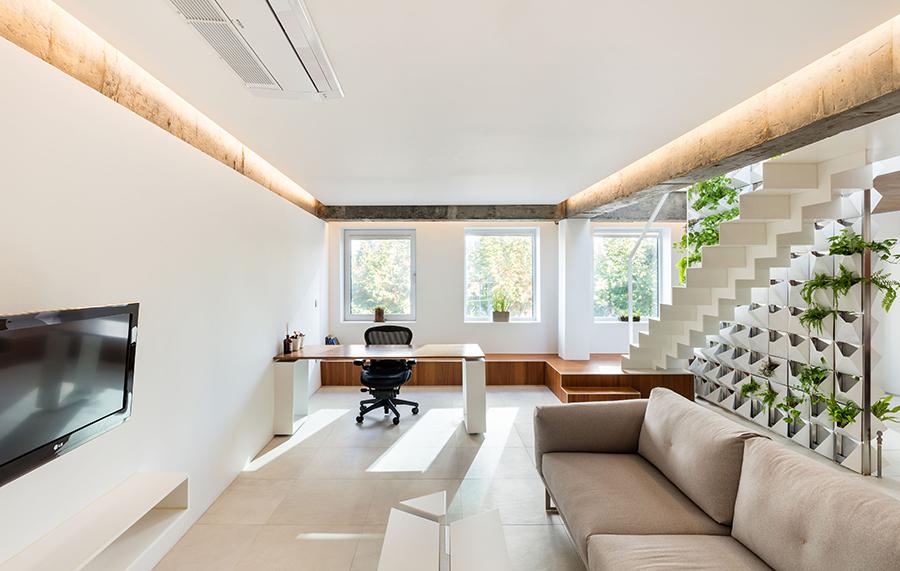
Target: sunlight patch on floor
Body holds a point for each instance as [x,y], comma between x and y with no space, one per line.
[309,426]
[421,444]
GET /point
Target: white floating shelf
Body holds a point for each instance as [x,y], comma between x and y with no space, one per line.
[114,530]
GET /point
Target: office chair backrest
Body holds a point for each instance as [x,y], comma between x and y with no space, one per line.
[388,335]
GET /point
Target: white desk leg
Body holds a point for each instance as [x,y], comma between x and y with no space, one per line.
[474,397]
[291,395]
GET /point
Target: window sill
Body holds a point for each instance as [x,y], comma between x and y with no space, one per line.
[489,322]
[617,322]
[386,322]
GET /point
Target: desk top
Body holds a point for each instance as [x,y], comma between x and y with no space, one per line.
[467,351]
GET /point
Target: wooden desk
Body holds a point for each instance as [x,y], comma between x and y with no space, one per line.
[292,376]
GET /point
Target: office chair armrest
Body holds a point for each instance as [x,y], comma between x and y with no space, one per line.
[410,363]
[360,363]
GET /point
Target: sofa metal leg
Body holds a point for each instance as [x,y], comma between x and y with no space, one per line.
[548,502]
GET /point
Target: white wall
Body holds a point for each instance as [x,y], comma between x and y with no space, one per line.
[885,356]
[100,207]
[440,252]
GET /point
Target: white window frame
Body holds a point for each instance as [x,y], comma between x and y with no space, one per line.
[534,233]
[656,234]
[347,277]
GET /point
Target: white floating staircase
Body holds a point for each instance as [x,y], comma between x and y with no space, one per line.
[777,215]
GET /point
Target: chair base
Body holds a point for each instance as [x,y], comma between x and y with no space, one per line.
[388,401]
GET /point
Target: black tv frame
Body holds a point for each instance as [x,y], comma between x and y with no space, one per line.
[27,462]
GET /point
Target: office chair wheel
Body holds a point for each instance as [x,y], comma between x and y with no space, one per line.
[415,410]
[396,420]
[359,419]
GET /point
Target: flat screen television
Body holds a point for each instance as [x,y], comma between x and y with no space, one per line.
[65,377]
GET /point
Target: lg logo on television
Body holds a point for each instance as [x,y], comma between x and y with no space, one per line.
[57,446]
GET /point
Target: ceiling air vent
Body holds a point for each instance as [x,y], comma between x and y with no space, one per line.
[271,45]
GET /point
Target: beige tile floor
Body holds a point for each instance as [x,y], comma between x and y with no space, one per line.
[319,500]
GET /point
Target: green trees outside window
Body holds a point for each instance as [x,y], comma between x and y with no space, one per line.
[611,274]
[380,272]
[500,262]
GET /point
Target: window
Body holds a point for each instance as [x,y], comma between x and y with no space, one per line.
[611,250]
[379,270]
[501,262]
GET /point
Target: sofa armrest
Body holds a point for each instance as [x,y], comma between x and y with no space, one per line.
[611,427]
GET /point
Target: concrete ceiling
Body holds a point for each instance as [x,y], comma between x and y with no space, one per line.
[491,101]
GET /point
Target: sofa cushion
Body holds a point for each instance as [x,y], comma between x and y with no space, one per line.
[796,513]
[619,493]
[698,450]
[688,552]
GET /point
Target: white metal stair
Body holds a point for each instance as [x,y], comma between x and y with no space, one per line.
[773,218]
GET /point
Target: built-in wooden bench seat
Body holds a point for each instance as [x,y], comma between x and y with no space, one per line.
[598,379]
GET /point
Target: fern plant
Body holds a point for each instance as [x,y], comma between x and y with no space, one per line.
[842,413]
[849,242]
[883,411]
[817,282]
[887,286]
[814,317]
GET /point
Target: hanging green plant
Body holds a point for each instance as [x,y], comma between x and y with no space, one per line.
[812,285]
[844,281]
[849,242]
[705,231]
[883,411]
[814,317]
[842,413]
[887,286]
[750,388]
[769,396]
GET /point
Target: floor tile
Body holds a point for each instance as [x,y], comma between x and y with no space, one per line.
[247,501]
[209,548]
[520,501]
[325,502]
[302,548]
[544,547]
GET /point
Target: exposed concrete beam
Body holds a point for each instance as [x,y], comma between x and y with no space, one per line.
[52,34]
[854,85]
[452,212]
[674,210]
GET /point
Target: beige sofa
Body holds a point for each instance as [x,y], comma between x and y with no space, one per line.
[663,483]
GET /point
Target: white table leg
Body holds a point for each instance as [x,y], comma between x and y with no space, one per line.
[291,395]
[474,397]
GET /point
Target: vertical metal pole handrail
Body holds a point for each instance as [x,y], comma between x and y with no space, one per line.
[867,337]
[634,250]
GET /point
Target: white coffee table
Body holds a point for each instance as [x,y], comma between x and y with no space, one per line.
[413,538]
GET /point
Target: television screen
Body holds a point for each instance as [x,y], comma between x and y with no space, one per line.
[65,376]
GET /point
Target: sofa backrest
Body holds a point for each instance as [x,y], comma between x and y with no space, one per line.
[696,449]
[796,513]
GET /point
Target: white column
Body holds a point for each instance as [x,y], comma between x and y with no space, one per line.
[576,314]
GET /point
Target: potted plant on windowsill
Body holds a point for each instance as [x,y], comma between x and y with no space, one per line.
[634,317]
[500,302]
[379,314]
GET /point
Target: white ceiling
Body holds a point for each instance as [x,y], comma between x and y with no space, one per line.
[491,101]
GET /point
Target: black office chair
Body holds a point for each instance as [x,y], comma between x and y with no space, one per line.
[383,377]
